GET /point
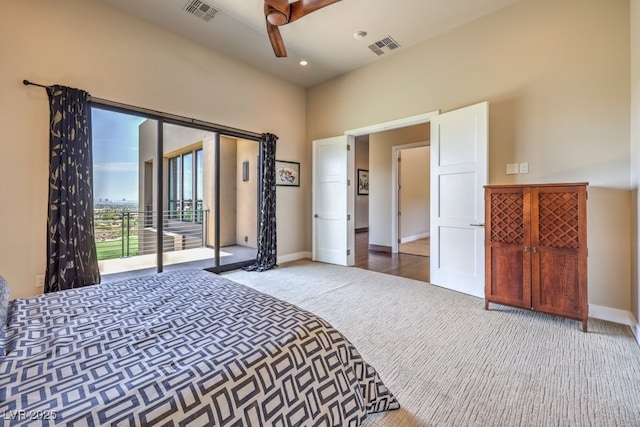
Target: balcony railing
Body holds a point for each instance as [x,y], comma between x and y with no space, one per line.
[123,234]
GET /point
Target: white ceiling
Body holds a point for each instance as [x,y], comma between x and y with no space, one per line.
[324,38]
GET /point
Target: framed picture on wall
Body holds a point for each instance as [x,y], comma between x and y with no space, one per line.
[287,173]
[363,182]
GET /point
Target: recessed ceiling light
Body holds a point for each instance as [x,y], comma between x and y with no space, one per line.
[303,63]
[360,34]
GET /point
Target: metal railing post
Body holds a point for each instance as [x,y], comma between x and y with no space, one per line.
[204,228]
[128,232]
[122,234]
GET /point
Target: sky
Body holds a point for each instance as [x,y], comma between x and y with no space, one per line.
[115,155]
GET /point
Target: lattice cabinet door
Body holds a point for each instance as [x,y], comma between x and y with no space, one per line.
[559,251]
[507,243]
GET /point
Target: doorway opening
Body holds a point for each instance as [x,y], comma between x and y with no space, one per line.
[376,225]
[459,169]
[411,198]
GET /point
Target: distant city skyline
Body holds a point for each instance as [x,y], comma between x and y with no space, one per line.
[115,155]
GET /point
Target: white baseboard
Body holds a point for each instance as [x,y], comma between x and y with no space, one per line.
[293,257]
[635,328]
[414,237]
[636,332]
[613,315]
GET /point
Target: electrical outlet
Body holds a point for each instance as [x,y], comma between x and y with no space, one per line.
[40,281]
[524,168]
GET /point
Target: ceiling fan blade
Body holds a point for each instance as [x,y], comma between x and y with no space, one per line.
[276,40]
[301,8]
[277,11]
[281,12]
[280,5]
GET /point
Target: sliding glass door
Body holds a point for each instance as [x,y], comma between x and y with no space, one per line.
[171,196]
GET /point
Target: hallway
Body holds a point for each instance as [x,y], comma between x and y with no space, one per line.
[403,265]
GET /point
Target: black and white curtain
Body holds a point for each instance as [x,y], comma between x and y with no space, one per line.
[267,242]
[71,250]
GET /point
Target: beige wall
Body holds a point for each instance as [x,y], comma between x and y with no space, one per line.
[556,76]
[380,177]
[247,191]
[89,45]
[147,182]
[415,193]
[208,176]
[228,193]
[635,152]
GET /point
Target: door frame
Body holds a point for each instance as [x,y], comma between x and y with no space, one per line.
[418,119]
[395,220]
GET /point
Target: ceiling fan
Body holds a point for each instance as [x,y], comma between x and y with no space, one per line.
[281,12]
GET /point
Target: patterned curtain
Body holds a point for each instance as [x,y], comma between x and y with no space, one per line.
[267,242]
[71,250]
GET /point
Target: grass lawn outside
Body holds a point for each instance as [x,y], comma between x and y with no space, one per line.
[110,249]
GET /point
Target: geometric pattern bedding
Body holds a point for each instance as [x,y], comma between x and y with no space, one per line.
[181,348]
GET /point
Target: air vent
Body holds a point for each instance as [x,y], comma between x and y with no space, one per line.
[376,49]
[382,46]
[201,9]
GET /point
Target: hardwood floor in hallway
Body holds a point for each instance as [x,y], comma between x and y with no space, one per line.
[402,265]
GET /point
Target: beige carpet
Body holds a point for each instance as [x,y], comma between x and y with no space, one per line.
[416,247]
[451,363]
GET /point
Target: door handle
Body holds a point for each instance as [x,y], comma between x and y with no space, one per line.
[477,225]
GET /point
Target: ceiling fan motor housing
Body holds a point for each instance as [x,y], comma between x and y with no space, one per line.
[276,17]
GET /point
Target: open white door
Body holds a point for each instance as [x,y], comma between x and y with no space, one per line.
[332,196]
[459,146]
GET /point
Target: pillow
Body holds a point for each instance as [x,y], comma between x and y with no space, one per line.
[4,303]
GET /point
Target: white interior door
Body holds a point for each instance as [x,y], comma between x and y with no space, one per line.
[333,201]
[459,146]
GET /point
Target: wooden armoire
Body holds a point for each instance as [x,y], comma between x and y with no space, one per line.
[536,248]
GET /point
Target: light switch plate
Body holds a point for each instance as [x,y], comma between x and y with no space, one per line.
[512,169]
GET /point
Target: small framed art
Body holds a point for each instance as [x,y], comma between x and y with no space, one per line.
[287,173]
[363,182]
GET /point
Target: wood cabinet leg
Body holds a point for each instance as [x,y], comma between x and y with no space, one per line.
[584,325]
[486,305]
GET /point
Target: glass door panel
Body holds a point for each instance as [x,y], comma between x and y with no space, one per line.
[187,217]
[238,202]
[124,150]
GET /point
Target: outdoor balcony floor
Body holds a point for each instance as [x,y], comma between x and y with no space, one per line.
[203,258]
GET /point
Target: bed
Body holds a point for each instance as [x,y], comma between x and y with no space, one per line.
[181,348]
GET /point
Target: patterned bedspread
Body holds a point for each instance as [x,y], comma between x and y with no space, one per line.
[183,348]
